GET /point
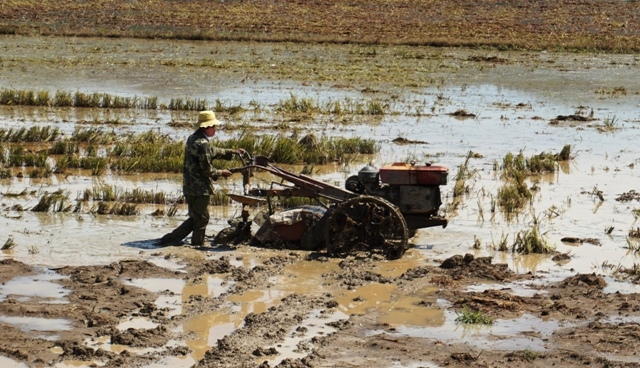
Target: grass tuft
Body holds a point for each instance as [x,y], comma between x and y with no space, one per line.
[9,244]
[530,241]
[469,316]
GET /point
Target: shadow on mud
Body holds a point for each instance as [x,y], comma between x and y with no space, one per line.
[142,244]
[151,244]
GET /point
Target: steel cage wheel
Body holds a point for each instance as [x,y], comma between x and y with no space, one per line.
[366,223]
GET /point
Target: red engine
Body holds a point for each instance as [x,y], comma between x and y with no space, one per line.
[401,173]
[415,189]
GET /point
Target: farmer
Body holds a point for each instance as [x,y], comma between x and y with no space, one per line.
[197,179]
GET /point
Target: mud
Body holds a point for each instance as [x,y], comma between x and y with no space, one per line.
[92,290]
[100,299]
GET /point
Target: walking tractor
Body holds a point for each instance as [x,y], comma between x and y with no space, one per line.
[377,211]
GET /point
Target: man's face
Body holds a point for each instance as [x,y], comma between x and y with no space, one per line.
[210,131]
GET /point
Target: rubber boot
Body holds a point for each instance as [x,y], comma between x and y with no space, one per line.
[197,238]
[175,237]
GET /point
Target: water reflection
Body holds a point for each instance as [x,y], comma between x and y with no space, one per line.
[526,332]
[35,286]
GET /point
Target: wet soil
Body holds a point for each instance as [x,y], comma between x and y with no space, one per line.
[99,294]
[598,329]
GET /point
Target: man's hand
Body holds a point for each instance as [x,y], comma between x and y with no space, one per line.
[225,173]
[240,151]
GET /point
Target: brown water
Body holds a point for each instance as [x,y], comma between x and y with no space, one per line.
[513,104]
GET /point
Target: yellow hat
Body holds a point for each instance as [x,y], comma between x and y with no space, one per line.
[207,119]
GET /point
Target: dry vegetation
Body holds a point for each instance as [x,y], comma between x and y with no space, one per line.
[612,25]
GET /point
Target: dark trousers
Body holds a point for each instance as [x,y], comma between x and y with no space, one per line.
[196,223]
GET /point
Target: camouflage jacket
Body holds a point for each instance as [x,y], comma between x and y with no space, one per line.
[198,172]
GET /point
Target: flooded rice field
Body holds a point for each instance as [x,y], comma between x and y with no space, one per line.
[84,289]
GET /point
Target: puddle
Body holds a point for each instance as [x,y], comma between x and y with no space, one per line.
[514,288]
[304,277]
[615,286]
[57,350]
[526,332]
[78,364]
[158,285]
[621,319]
[213,287]
[104,343]
[45,328]
[36,286]
[414,365]
[314,325]
[172,302]
[209,328]
[246,262]
[137,323]
[396,268]
[417,308]
[173,362]
[10,363]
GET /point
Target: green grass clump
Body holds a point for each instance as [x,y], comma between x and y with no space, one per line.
[102,193]
[514,194]
[100,150]
[9,244]
[122,209]
[297,105]
[93,135]
[41,172]
[188,104]
[565,153]
[536,164]
[469,316]
[530,241]
[81,99]
[460,186]
[225,107]
[64,148]
[374,108]
[18,157]
[542,163]
[32,134]
[97,165]
[290,150]
[529,355]
[63,99]
[110,193]
[55,202]
[77,99]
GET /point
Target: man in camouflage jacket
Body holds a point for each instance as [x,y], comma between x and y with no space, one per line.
[197,180]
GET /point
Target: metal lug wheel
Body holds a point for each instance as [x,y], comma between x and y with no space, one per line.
[366,223]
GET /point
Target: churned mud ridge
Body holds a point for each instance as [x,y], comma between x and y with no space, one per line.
[100,299]
[97,302]
[244,346]
[10,269]
[463,267]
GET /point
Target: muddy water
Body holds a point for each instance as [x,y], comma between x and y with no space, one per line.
[513,104]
